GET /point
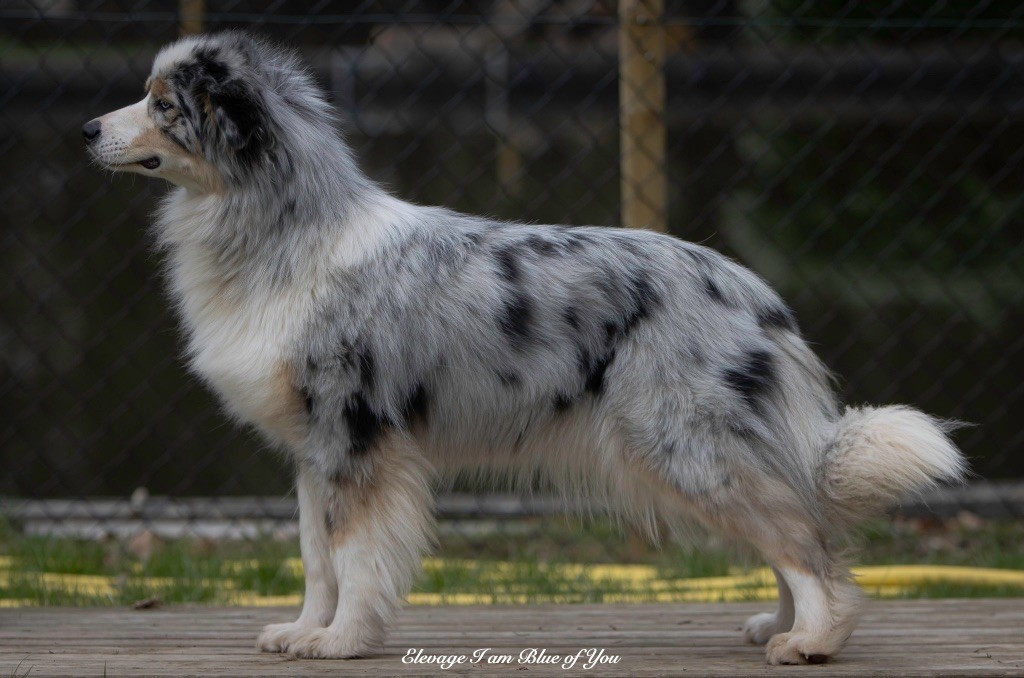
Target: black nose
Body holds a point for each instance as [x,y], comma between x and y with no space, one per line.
[91,130]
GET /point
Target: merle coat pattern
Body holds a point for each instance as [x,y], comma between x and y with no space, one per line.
[381,343]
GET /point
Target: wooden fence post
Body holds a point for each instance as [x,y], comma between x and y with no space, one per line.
[190,17]
[642,114]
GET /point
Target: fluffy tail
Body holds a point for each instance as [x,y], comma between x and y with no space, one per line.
[882,454]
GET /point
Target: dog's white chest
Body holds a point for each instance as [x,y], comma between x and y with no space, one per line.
[241,345]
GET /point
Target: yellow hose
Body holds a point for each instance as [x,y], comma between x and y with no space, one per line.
[629,583]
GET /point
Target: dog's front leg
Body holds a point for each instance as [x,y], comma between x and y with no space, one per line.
[378,525]
[321,597]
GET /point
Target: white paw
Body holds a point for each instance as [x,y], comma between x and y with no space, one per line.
[759,628]
[328,643]
[279,637]
[797,648]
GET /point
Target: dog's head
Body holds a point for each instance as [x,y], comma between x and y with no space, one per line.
[204,122]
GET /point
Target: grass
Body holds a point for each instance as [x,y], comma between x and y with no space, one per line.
[536,562]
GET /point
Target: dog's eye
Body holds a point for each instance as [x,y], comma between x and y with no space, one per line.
[164,105]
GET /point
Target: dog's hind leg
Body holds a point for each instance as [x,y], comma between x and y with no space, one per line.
[826,606]
[825,601]
[768,514]
[378,524]
[760,627]
[321,597]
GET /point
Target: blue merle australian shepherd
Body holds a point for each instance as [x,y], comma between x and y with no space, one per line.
[379,342]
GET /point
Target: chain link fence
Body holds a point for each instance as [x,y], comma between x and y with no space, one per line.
[866,158]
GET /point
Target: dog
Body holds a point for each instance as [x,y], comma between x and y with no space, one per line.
[381,343]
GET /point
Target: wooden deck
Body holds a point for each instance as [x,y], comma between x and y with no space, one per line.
[896,638]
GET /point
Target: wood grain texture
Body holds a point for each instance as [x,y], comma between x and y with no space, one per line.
[896,638]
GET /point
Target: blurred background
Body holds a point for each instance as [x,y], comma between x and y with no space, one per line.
[865,158]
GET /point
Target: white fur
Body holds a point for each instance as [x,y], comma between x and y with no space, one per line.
[120,130]
[882,454]
[825,614]
[759,628]
[240,335]
[389,526]
[321,597]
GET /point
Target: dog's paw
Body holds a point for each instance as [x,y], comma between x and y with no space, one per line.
[279,637]
[327,643]
[759,628]
[795,648]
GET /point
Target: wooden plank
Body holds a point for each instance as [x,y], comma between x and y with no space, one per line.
[896,638]
[642,114]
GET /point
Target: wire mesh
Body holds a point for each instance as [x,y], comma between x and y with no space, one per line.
[864,157]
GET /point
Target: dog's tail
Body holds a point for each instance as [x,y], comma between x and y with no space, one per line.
[882,454]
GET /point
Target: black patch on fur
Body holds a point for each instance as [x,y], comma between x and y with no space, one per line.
[753,378]
[542,246]
[611,331]
[642,299]
[367,369]
[574,242]
[416,404]
[208,62]
[307,399]
[186,75]
[594,381]
[562,402]
[631,247]
[329,521]
[509,379]
[508,264]
[365,426]
[572,318]
[711,288]
[707,267]
[344,356]
[777,317]
[239,115]
[186,110]
[516,320]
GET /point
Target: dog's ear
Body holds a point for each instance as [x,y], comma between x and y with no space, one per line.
[238,114]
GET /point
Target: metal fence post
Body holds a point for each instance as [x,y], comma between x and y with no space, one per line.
[642,113]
